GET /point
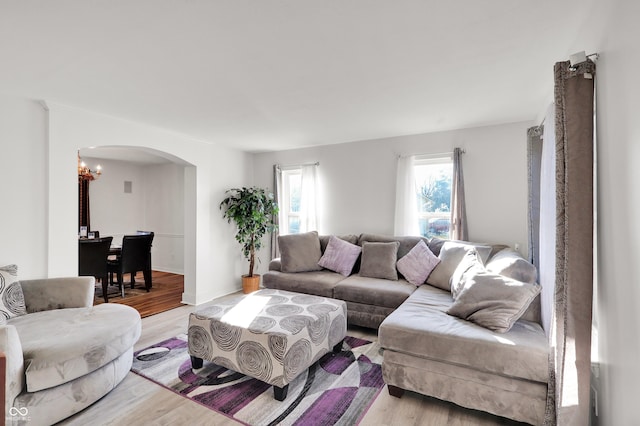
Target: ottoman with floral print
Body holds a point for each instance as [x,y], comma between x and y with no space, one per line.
[271,335]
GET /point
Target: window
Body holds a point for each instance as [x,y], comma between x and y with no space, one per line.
[296,189]
[433,178]
[290,207]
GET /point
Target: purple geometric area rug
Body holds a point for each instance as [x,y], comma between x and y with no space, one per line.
[338,389]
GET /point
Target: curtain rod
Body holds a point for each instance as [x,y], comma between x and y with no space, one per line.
[293,166]
[434,155]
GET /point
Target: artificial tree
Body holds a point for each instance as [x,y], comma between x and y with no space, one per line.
[253,211]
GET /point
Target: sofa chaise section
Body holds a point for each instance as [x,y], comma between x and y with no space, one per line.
[433,353]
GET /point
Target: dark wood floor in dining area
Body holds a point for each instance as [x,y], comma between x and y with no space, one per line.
[165,294]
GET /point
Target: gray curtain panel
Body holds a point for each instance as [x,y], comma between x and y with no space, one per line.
[534,162]
[569,388]
[458,205]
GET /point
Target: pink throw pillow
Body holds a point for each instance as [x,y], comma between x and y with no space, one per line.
[340,256]
[418,264]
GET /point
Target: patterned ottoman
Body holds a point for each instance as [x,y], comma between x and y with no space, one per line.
[271,335]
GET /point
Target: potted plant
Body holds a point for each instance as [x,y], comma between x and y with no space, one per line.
[253,211]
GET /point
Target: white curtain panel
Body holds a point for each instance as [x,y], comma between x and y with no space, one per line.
[280,222]
[406,215]
[308,196]
[547,272]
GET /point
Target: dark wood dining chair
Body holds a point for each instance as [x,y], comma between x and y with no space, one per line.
[92,260]
[135,256]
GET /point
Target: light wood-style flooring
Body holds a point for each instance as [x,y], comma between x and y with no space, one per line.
[138,401]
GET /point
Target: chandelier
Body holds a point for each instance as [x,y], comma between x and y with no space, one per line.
[85,173]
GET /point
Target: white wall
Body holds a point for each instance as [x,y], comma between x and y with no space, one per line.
[211,258]
[23,185]
[358,180]
[112,211]
[164,214]
[156,204]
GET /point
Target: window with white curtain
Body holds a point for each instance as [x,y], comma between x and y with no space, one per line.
[433,177]
[290,207]
[424,195]
[297,198]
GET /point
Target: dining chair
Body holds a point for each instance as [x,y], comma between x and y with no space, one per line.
[139,232]
[92,260]
[135,256]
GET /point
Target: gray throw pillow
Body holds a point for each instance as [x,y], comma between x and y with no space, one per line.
[510,263]
[340,256]
[300,252]
[417,264]
[11,296]
[451,255]
[379,260]
[469,264]
[491,300]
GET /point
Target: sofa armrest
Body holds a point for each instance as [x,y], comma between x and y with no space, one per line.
[12,348]
[275,265]
[58,293]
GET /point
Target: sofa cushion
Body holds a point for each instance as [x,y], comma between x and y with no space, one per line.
[11,297]
[373,291]
[450,256]
[510,263]
[340,256]
[435,245]
[406,243]
[491,300]
[379,260]
[320,283]
[417,264]
[422,328]
[63,344]
[300,252]
[468,264]
[275,264]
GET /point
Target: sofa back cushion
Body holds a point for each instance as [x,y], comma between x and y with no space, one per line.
[510,263]
[406,243]
[490,300]
[300,252]
[451,254]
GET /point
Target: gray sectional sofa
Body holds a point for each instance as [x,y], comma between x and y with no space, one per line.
[441,341]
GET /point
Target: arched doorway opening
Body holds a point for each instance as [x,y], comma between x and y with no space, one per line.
[142,189]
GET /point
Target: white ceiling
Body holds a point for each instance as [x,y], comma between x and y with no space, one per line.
[269,75]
